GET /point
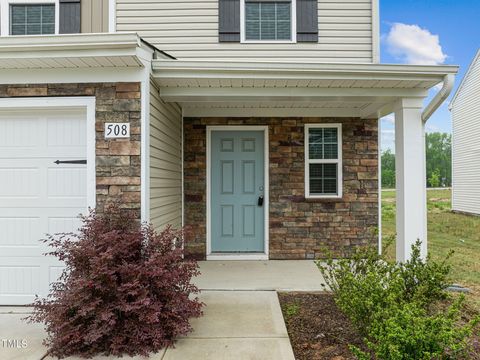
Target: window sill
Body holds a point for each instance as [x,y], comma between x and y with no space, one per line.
[323,197]
[268,42]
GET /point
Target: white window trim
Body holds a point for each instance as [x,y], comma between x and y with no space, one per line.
[338,161]
[112,19]
[5,14]
[293,13]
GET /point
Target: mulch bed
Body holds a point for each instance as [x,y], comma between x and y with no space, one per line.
[318,330]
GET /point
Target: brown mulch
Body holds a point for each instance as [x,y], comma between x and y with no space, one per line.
[318,330]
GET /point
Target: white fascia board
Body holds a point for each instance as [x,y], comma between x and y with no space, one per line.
[161,66]
[68,42]
[37,53]
[71,75]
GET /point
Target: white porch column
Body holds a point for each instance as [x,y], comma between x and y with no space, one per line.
[410,177]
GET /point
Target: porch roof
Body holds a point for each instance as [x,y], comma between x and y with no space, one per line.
[73,51]
[219,88]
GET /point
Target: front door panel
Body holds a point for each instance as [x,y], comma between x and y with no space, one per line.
[237,183]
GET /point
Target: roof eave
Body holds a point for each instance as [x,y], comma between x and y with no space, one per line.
[302,68]
[18,49]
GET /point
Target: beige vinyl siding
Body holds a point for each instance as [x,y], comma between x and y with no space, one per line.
[94,16]
[189,29]
[165,162]
[466,144]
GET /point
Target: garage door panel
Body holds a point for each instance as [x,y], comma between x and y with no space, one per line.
[26,233]
[20,281]
[17,131]
[37,196]
[71,134]
[19,182]
[19,231]
[66,224]
[43,183]
[70,183]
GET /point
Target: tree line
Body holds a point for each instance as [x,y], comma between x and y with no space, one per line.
[439,162]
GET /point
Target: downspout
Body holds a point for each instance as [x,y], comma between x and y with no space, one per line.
[442,95]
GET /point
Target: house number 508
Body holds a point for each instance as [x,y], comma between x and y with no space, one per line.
[117,130]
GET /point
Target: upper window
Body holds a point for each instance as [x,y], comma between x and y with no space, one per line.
[268,20]
[323,160]
[34,19]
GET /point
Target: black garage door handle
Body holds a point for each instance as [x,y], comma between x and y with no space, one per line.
[58,162]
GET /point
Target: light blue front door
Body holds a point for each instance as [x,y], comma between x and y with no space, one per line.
[237,190]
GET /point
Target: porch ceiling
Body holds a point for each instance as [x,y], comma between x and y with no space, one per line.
[205,88]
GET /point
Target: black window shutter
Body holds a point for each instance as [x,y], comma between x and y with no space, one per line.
[307,20]
[69,17]
[229,20]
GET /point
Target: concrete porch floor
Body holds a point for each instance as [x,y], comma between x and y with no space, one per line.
[273,275]
[242,318]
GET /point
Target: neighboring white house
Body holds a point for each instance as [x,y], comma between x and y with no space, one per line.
[465,108]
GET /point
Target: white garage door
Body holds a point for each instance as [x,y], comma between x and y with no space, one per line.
[38,196]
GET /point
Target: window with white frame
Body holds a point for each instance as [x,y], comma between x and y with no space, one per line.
[28,17]
[268,20]
[323,160]
[32,19]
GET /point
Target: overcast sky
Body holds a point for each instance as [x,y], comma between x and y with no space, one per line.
[428,32]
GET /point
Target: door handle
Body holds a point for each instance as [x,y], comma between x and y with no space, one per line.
[260,200]
[58,162]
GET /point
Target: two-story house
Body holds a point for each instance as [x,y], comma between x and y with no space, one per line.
[254,122]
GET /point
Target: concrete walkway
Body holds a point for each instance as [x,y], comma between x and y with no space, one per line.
[242,318]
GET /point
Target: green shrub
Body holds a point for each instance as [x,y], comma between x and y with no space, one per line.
[408,331]
[391,305]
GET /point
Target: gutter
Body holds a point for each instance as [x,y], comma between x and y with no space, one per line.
[442,95]
[155,49]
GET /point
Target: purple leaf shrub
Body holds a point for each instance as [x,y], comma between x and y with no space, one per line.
[126,290]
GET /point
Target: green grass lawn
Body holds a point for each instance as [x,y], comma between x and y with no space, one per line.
[446,231]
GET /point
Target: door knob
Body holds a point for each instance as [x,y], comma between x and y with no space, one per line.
[260,200]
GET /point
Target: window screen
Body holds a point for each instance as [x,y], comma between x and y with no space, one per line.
[323,160]
[35,19]
[268,20]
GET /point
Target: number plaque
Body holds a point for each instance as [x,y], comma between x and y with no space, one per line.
[117,130]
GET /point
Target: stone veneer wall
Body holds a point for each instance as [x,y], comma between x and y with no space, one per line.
[117,161]
[299,228]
